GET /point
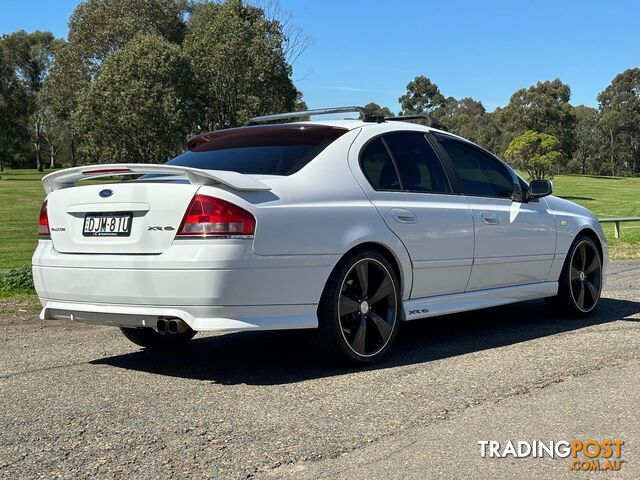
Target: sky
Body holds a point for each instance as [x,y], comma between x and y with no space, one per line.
[363,51]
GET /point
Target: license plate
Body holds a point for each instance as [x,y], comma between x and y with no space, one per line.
[107,225]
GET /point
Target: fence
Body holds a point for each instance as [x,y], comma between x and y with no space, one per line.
[617,221]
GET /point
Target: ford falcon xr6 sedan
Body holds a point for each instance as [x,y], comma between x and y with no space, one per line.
[348,227]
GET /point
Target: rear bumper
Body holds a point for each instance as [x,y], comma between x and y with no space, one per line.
[214,286]
[199,318]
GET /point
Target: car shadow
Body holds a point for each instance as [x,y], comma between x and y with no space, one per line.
[271,358]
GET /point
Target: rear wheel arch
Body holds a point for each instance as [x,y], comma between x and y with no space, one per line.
[388,254]
[372,299]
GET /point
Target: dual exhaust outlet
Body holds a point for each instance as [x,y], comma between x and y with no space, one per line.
[171,325]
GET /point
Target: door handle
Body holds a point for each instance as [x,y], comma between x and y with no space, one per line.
[489,218]
[402,215]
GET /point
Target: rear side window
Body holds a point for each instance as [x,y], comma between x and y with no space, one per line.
[403,161]
[419,167]
[266,150]
[481,175]
[378,167]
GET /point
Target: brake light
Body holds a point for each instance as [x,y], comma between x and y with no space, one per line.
[214,216]
[43,227]
[107,171]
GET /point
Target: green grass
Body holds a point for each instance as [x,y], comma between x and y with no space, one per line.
[607,197]
[21,197]
[15,304]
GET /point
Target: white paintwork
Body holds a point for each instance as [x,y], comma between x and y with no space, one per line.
[217,318]
[305,223]
[517,246]
[462,302]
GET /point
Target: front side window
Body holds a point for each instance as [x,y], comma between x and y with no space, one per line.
[480,174]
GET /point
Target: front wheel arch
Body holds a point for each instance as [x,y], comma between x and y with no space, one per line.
[564,302]
[589,232]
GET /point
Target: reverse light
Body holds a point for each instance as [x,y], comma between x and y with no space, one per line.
[43,226]
[210,216]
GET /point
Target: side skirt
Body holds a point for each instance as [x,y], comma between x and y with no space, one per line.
[424,307]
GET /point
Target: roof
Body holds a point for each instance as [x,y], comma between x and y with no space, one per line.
[309,130]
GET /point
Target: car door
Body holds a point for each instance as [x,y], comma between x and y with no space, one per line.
[514,241]
[407,183]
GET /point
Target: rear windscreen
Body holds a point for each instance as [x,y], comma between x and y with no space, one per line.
[265,150]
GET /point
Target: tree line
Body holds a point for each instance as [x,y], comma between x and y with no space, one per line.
[539,130]
[135,78]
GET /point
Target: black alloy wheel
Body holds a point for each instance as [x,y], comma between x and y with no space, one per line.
[585,276]
[367,307]
[359,312]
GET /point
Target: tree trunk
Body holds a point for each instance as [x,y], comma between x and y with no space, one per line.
[39,164]
[52,155]
[611,155]
[72,149]
[37,144]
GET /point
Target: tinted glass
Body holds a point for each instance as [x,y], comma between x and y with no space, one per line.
[266,160]
[480,174]
[265,149]
[378,167]
[419,167]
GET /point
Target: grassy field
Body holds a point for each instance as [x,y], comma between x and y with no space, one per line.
[607,197]
[21,197]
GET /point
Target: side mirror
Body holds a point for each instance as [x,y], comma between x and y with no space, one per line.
[540,188]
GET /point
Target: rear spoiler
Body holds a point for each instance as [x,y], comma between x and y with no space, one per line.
[69,176]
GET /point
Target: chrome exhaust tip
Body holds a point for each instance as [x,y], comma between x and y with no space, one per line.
[172,326]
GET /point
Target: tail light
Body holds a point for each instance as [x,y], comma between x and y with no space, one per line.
[212,216]
[43,227]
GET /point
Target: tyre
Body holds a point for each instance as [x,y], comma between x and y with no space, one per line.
[580,282]
[149,338]
[358,315]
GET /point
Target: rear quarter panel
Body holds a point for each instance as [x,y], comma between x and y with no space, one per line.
[320,210]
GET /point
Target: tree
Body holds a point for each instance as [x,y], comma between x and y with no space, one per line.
[300,105]
[13,111]
[535,153]
[140,107]
[239,63]
[589,139]
[378,110]
[68,78]
[422,96]
[98,28]
[29,56]
[543,107]
[620,107]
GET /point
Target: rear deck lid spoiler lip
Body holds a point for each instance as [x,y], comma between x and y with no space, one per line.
[68,177]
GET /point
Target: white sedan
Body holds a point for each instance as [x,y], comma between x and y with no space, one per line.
[350,227]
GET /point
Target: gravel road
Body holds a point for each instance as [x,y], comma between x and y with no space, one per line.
[81,400]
